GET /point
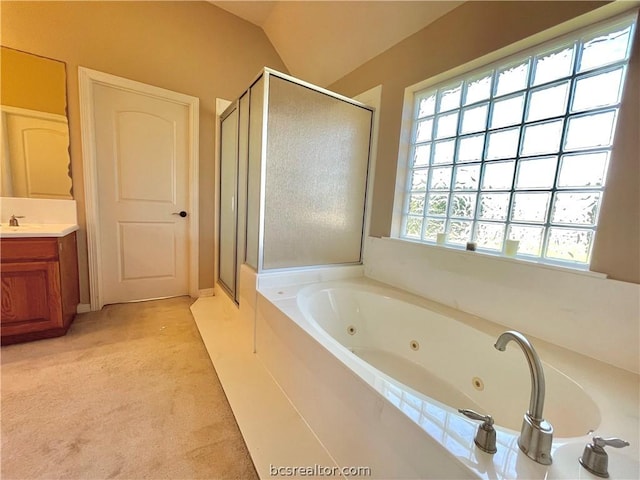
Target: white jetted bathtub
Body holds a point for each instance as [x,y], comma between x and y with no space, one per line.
[379,375]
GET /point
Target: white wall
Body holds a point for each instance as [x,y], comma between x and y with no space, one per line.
[580,311]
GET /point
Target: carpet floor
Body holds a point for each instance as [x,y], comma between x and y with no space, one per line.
[128,393]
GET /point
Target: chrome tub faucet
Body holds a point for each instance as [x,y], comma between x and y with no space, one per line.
[536,435]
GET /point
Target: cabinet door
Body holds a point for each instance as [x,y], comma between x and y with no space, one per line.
[30,297]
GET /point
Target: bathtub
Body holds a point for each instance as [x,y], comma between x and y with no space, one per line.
[379,375]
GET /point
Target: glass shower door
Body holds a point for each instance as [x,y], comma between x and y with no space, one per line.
[228,200]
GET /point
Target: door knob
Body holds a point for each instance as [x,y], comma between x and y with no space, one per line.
[182,213]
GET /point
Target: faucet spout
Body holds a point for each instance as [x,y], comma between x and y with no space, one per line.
[536,436]
[536,401]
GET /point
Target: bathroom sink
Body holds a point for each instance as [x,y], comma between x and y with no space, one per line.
[37,230]
[29,227]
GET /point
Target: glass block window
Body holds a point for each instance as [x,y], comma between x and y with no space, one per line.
[519,150]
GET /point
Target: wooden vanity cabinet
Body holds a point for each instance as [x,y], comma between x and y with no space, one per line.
[40,292]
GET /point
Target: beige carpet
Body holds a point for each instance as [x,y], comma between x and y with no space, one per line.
[129,393]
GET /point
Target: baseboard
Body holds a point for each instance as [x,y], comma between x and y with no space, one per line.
[83,308]
[206,292]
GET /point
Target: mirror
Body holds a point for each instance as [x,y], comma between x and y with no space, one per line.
[34,157]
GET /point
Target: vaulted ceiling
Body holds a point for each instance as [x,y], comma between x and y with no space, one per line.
[320,41]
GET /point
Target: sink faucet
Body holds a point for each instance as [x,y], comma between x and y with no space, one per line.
[13,221]
[536,435]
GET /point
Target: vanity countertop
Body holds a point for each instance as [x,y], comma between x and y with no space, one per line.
[27,230]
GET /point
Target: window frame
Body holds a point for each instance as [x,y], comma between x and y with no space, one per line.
[479,68]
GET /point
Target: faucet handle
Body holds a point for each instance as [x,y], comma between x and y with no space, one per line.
[486,435]
[595,459]
[610,442]
[476,416]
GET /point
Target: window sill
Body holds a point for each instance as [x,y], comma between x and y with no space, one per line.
[520,261]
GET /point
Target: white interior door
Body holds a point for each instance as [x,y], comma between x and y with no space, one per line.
[142,168]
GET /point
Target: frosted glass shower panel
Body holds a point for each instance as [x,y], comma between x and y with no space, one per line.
[316,175]
[254,174]
[228,216]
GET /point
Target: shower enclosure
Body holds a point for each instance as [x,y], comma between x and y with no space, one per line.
[294,161]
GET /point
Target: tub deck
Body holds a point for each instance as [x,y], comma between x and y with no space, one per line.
[273,430]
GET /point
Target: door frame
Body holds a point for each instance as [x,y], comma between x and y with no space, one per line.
[87,79]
